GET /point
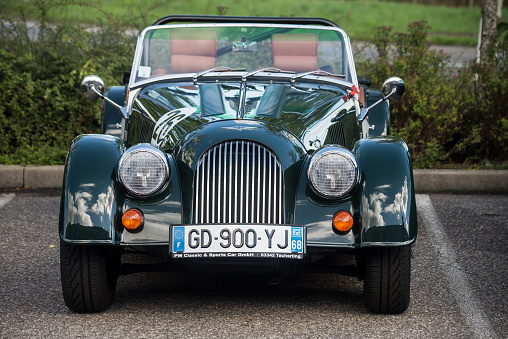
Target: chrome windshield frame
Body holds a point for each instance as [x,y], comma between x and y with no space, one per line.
[139,46]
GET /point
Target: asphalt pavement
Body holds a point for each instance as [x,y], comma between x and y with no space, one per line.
[459,56]
[458,285]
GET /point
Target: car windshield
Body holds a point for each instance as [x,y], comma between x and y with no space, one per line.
[183,49]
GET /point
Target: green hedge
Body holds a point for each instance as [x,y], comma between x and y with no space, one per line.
[41,108]
[448,117]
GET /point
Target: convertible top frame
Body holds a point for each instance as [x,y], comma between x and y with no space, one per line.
[243,19]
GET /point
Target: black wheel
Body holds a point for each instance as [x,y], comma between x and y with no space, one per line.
[387,279]
[88,276]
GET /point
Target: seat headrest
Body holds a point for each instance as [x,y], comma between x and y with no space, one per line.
[192,50]
[295,52]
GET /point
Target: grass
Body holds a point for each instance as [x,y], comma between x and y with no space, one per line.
[450,25]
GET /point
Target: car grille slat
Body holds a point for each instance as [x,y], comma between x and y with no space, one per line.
[146,131]
[238,182]
[337,134]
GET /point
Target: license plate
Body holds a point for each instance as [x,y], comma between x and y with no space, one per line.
[238,241]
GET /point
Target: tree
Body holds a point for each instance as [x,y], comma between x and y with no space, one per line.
[488,27]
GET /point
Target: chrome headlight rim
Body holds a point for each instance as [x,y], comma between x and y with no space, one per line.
[159,154]
[326,150]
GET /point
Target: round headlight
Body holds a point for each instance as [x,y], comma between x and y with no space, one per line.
[143,170]
[333,172]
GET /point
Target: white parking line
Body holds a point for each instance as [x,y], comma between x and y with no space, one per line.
[469,306]
[5,198]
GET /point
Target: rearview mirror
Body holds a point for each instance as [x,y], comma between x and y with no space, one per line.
[245,46]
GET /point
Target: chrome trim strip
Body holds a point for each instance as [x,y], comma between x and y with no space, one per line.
[387,243]
[269,185]
[213,185]
[252,182]
[281,185]
[247,184]
[236,183]
[196,187]
[243,96]
[208,184]
[230,176]
[264,186]
[133,94]
[202,192]
[323,244]
[362,245]
[219,207]
[259,178]
[241,185]
[109,242]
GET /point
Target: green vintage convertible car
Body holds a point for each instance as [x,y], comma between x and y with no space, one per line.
[240,144]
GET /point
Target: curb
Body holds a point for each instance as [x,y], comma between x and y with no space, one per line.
[480,181]
[16,176]
[474,181]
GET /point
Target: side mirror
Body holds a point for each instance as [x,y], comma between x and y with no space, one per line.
[92,87]
[393,88]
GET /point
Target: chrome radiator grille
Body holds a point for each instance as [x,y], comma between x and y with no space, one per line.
[238,182]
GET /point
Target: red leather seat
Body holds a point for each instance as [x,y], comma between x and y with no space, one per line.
[193,50]
[295,52]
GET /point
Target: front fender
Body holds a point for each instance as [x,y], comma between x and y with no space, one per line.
[388,207]
[379,116]
[110,114]
[88,206]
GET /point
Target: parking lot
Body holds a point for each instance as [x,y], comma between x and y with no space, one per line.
[458,286]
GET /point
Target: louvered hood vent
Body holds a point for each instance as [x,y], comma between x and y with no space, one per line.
[238,182]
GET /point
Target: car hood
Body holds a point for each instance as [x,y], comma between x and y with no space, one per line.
[297,114]
[289,149]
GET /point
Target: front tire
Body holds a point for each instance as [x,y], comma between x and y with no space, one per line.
[88,276]
[387,279]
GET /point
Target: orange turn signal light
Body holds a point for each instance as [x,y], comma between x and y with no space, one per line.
[132,220]
[342,221]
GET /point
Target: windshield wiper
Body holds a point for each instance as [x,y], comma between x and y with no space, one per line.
[264,69]
[323,73]
[215,69]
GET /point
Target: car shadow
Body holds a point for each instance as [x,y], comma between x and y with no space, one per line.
[188,291]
